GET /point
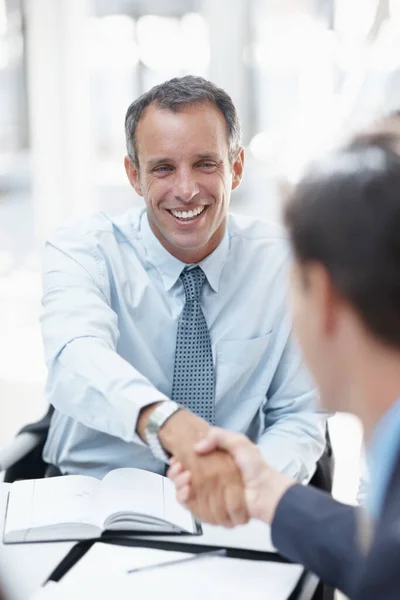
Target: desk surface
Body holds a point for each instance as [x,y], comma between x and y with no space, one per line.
[104,572]
[25,567]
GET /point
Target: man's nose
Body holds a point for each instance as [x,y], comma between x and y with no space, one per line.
[186,187]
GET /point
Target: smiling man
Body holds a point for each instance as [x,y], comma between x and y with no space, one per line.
[166,320]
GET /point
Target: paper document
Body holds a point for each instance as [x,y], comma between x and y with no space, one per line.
[103,574]
[110,560]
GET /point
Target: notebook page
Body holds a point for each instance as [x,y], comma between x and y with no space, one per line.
[132,491]
[174,512]
[42,502]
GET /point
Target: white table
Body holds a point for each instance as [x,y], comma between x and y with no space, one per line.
[102,574]
[25,567]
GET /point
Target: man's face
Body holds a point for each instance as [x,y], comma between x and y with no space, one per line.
[315,325]
[185,177]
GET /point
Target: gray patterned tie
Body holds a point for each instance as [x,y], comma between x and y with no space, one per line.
[193,383]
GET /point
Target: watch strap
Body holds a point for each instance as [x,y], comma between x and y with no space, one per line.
[157,419]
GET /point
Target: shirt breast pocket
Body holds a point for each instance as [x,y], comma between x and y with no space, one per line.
[241,368]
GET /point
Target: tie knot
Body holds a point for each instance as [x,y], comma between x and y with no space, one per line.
[193,280]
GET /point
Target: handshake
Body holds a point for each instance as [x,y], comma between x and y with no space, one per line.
[220,476]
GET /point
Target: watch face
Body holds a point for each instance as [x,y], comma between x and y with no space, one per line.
[156,419]
[161,414]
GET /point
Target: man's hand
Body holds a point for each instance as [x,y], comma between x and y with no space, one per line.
[264,487]
[216,493]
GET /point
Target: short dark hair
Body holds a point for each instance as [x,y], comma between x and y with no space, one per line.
[345,215]
[177,93]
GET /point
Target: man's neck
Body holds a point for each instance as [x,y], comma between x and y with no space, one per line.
[191,255]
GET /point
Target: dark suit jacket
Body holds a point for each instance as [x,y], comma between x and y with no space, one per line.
[311,528]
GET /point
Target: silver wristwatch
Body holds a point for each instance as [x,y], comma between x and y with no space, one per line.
[157,418]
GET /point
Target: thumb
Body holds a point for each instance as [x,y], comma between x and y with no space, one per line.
[207,444]
[220,439]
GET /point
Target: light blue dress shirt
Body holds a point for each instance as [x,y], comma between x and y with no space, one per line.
[383,451]
[112,299]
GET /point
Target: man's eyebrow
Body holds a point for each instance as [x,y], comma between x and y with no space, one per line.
[158,161]
[165,160]
[210,155]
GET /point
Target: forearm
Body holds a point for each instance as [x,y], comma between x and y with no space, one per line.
[91,383]
[311,528]
[294,444]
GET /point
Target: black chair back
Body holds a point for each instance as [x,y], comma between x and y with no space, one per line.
[323,480]
[323,476]
[32,465]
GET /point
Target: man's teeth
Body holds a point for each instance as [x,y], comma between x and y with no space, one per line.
[187,214]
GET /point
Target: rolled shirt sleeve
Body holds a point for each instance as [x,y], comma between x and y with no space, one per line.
[87,379]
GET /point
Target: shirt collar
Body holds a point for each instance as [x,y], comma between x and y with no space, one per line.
[387,423]
[382,454]
[170,267]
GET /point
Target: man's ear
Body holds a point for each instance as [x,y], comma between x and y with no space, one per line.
[133,175]
[237,169]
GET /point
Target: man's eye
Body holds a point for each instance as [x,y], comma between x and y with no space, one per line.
[207,165]
[162,169]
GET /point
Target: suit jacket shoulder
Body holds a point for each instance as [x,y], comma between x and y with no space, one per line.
[313,529]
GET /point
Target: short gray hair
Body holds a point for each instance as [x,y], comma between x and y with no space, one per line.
[177,93]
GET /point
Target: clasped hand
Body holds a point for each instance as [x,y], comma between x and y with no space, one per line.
[216,488]
[239,484]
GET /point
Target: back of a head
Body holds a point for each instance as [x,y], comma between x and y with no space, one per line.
[345,215]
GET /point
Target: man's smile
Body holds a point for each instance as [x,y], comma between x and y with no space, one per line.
[187,215]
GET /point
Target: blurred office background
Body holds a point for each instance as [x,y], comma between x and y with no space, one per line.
[301,73]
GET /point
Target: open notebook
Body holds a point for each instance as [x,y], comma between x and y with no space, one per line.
[76,507]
